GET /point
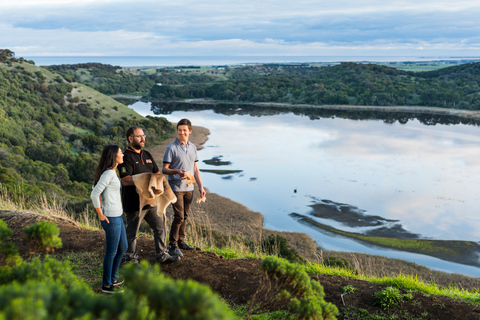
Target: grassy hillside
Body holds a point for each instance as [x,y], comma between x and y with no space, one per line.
[52,131]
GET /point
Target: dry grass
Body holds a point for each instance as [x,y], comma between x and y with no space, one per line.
[48,208]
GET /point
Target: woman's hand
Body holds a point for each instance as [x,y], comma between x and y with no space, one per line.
[101,216]
[104,218]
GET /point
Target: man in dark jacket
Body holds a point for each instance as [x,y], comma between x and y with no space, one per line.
[135,161]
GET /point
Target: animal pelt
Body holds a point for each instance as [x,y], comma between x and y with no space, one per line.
[153,189]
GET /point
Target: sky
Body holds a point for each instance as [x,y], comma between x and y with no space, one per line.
[240,28]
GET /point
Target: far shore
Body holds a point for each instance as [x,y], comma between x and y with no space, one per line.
[467,114]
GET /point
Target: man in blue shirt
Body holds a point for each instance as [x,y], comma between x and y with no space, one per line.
[181,157]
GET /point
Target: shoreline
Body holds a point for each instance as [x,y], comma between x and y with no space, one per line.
[466,114]
[230,217]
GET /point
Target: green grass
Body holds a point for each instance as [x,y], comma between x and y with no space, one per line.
[106,104]
[447,250]
[407,282]
[85,265]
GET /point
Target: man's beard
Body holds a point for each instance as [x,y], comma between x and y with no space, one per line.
[136,145]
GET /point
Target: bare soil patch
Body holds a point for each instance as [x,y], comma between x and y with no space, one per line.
[237,280]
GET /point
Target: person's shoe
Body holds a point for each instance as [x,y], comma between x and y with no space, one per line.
[118,282]
[175,251]
[185,246]
[111,289]
[131,260]
[166,258]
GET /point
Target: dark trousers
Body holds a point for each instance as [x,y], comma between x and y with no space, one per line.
[156,222]
[181,209]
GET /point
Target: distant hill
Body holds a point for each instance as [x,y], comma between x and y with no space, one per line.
[347,84]
[52,130]
[114,80]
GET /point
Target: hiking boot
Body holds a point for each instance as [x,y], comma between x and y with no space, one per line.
[174,251]
[166,258]
[118,282]
[111,289]
[185,246]
[131,260]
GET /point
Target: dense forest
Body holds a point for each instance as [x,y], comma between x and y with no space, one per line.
[50,139]
[346,83]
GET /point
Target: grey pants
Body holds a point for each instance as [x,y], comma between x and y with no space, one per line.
[156,222]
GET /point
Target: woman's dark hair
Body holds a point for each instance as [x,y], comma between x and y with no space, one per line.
[108,160]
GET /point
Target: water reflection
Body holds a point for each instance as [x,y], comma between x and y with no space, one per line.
[163,108]
[413,175]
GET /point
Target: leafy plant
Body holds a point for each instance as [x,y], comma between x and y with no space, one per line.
[287,284]
[8,249]
[388,297]
[49,290]
[160,297]
[44,235]
[349,289]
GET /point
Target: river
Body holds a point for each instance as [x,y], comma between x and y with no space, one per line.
[412,177]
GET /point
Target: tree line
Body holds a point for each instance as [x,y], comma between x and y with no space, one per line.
[112,80]
[346,83]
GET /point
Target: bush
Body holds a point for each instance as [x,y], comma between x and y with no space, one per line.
[388,297]
[50,290]
[44,235]
[165,298]
[8,251]
[340,263]
[288,284]
[277,245]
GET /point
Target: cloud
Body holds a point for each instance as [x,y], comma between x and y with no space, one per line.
[301,27]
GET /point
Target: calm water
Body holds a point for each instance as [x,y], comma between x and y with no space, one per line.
[416,178]
[223,60]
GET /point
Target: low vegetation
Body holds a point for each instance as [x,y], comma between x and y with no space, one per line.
[448,250]
[285,285]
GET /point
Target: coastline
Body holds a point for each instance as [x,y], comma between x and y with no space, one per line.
[232,218]
[467,114]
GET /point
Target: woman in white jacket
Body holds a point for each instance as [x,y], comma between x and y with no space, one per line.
[108,204]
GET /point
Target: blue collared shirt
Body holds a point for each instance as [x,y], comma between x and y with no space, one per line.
[180,157]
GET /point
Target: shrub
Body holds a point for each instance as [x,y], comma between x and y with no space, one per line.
[164,298]
[337,262]
[44,235]
[50,290]
[8,251]
[388,297]
[277,245]
[48,270]
[288,284]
